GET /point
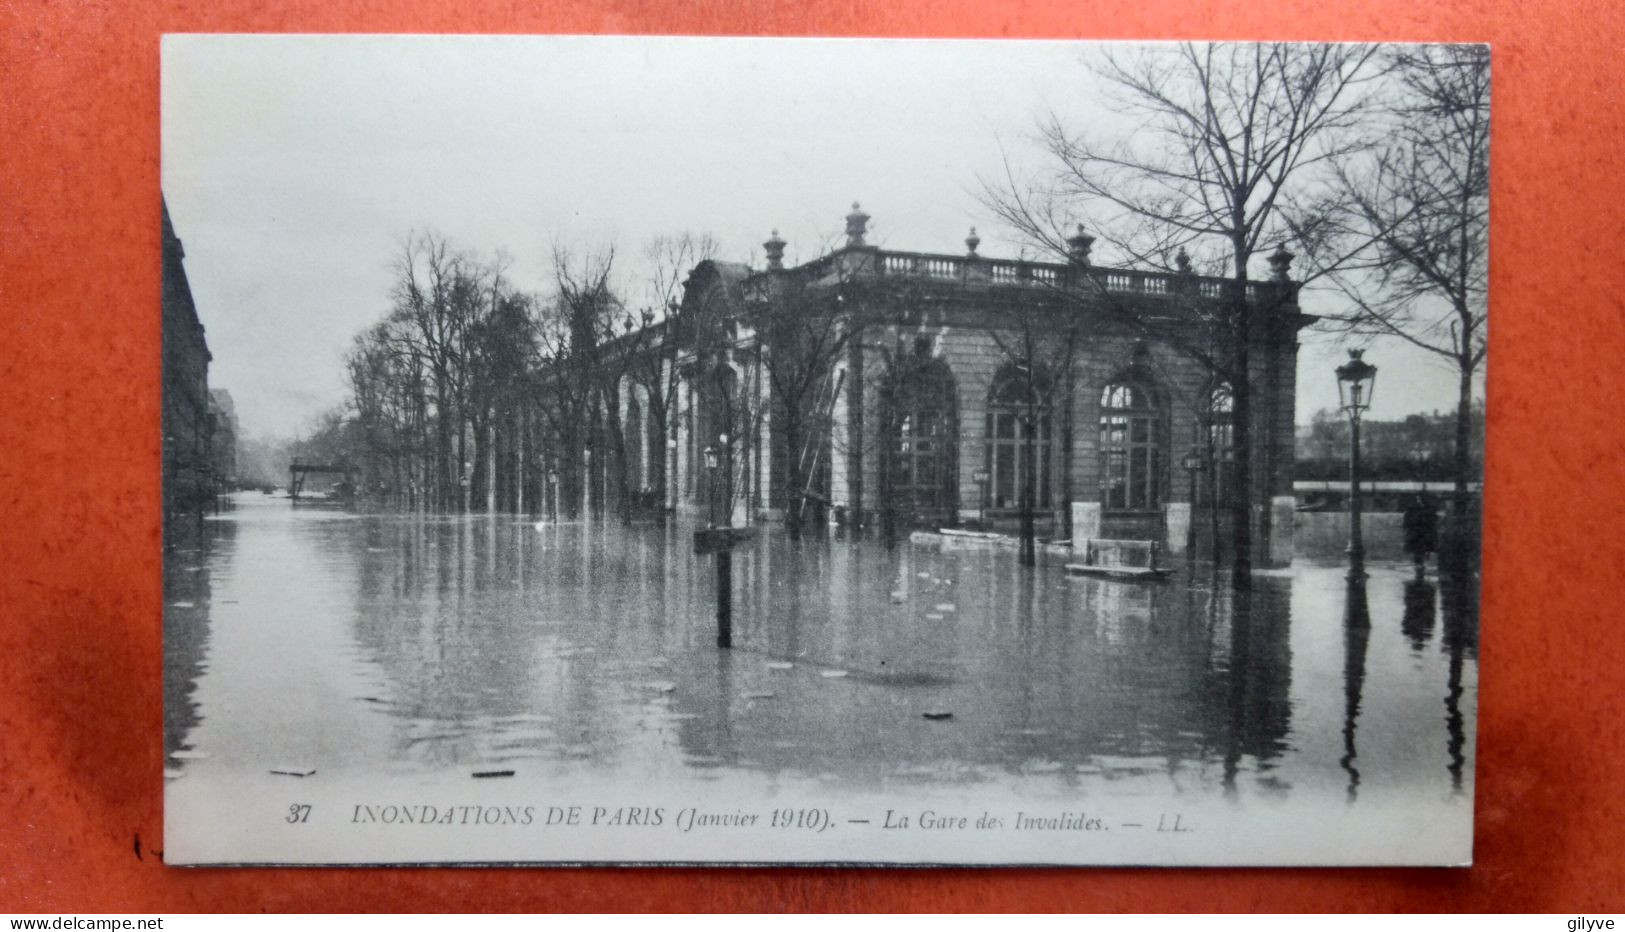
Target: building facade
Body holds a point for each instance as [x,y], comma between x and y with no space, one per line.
[884,389]
[223,440]
[188,434]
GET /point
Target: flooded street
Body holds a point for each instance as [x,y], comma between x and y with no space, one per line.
[360,648]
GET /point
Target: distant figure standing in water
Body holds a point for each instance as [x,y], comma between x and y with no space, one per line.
[1421,530]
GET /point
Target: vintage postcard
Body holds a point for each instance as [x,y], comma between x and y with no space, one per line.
[675,450]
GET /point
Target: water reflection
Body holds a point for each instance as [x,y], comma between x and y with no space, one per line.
[1417,622]
[1460,604]
[1356,638]
[423,644]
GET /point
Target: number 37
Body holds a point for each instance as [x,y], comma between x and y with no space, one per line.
[299,812]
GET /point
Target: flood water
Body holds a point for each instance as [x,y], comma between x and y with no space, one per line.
[396,644]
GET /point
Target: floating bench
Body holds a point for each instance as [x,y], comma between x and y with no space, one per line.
[1134,560]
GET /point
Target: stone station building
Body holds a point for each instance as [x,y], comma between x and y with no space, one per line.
[917,374]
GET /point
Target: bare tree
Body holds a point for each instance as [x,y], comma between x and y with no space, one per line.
[1226,135]
[653,348]
[1422,200]
[1040,343]
[584,366]
[804,328]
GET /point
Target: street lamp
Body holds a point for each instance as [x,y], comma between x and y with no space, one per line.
[1192,463]
[1355,382]
[711,463]
[727,487]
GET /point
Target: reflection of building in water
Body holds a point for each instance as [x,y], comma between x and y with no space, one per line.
[888,383]
[187,621]
[1091,677]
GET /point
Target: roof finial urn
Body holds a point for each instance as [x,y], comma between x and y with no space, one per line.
[1182,261]
[971,242]
[1281,264]
[775,251]
[857,224]
[1078,247]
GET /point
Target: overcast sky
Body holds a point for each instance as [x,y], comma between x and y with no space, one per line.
[294,165]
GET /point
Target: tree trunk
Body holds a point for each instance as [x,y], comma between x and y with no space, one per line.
[792,474]
[1029,481]
[1241,393]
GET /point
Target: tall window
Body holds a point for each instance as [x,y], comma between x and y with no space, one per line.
[1221,435]
[1007,410]
[919,432]
[1130,451]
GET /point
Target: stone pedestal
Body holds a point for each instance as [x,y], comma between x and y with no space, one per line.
[1283,513]
[1085,524]
[1178,522]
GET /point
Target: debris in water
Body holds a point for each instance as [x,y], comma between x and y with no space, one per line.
[482,774]
[293,771]
[832,674]
[371,699]
[946,607]
[760,695]
[899,596]
[173,773]
[779,665]
[180,605]
[923,575]
[933,616]
[661,687]
[938,716]
[189,755]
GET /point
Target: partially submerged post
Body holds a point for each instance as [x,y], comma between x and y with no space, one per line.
[720,539]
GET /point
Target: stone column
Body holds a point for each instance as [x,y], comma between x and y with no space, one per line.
[1085,524]
[1283,513]
[1178,522]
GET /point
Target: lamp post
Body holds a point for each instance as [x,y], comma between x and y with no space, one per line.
[553,480]
[1356,379]
[713,461]
[1192,463]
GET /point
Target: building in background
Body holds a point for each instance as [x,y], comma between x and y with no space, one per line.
[223,442]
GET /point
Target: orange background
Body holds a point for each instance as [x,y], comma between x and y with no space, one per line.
[80,704]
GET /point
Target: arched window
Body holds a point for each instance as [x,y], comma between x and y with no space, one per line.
[1130,447]
[1011,402]
[1221,442]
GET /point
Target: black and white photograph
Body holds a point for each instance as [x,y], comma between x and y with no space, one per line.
[674,450]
